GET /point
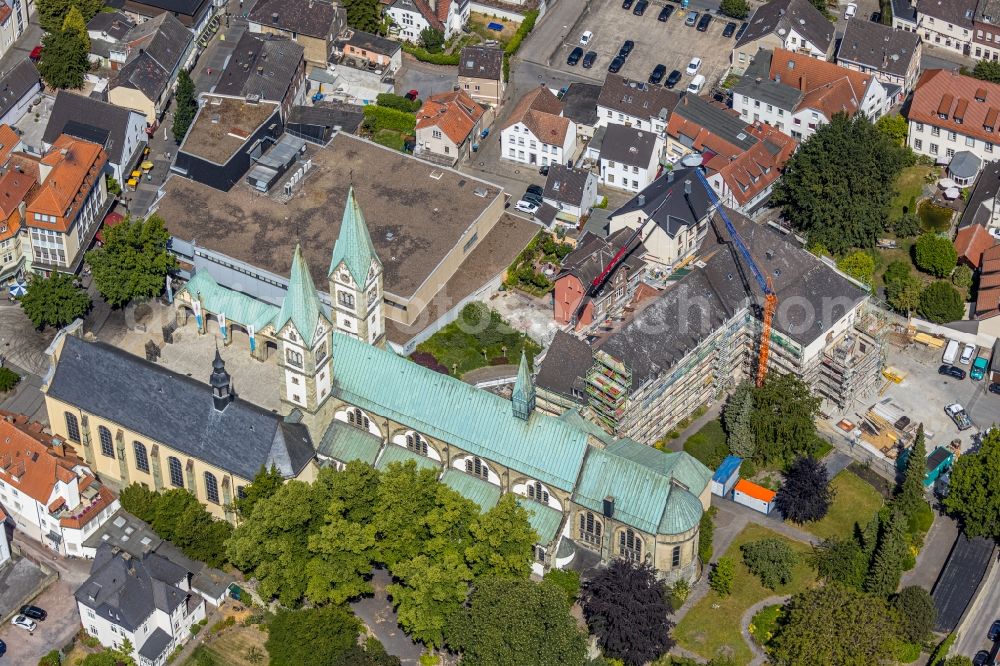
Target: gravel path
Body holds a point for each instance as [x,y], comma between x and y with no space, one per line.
[759,656]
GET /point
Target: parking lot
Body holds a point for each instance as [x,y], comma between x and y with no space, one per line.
[670,43]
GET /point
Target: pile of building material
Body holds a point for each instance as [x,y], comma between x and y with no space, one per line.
[886,428]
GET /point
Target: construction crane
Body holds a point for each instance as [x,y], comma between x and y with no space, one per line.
[770,298]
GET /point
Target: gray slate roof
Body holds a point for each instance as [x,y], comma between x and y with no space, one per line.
[374,43]
[964,164]
[186,7]
[155,644]
[566,361]
[580,103]
[665,201]
[481,62]
[262,65]
[799,15]
[16,83]
[756,84]
[723,125]
[565,184]
[636,98]
[158,46]
[628,145]
[957,12]
[314,18]
[987,188]
[347,117]
[878,46]
[71,113]
[902,9]
[115,24]
[239,439]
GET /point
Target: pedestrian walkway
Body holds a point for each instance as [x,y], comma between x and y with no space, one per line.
[759,656]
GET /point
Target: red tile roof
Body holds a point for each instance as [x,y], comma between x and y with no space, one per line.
[962,104]
[970,243]
[454,113]
[827,87]
[988,299]
[28,461]
[539,110]
[74,167]
[8,139]
[751,172]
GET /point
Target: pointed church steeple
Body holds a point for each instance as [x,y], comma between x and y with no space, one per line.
[301,305]
[523,398]
[220,382]
[354,244]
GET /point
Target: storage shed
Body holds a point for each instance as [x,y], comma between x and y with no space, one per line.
[938,462]
[726,476]
[754,496]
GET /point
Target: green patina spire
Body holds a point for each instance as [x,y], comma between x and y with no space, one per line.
[301,304]
[523,398]
[354,244]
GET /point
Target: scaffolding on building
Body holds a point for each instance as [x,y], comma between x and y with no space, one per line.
[608,384]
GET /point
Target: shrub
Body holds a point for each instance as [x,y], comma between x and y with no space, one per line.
[523,30]
[679,593]
[398,102]
[424,55]
[935,254]
[428,360]
[771,560]
[921,520]
[8,379]
[940,303]
[706,533]
[737,9]
[765,623]
[53,658]
[195,629]
[721,578]
[88,640]
[380,117]
[565,579]
[917,614]
[907,226]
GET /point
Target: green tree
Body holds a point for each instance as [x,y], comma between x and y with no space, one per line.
[429,594]
[910,494]
[8,379]
[503,541]
[784,419]
[916,613]
[908,225]
[894,127]
[565,579]
[134,262]
[890,556]
[722,575]
[860,265]
[935,254]
[706,534]
[432,39]
[834,625]
[52,13]
[74,22]
[841,561]
[838,186]
[311,637]
[139,500]
[962,278]
[54,301]
[363,14]
[516,622]
[342,558]
[737,9]
[987,70]
[356,489]
[902,287]
[940,303]
[771,560]
[63,62]
[737,418]
[971,493]
[186,105]
[265,483]
[405,497]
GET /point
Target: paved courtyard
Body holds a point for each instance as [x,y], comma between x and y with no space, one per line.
[526,314]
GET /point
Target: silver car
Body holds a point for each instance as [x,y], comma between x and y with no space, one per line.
[23,622]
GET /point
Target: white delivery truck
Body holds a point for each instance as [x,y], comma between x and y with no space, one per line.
[950,352]
[696,85]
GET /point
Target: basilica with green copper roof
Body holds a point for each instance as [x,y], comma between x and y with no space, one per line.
[589,496]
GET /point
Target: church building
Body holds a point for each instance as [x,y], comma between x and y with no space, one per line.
[589,497]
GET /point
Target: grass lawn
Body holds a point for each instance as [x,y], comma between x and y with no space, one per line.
[714,622]
[232,646]
[909,184]
[478,24]
[855,501]
[708,444]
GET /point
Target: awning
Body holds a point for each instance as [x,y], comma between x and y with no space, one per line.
[952,193]
[17,289]
[147,165]
[947,183]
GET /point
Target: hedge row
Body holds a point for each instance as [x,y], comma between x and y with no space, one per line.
[380,117]
[398,102]
[424,55]
[523,30]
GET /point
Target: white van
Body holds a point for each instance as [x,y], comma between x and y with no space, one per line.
[696,85]
[950,352]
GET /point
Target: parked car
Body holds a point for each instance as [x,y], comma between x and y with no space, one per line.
[658,73]
[851,11]
[673,79]
[627,4]
[959,416]
[3,648]
[967,354]
[982,658]
[533,198]
[36,53]
[34,612]
[626,48]
[640,7]
[876,17]
[743,28]
[574,56]
[706,18]
[994,631]
[586,37]
[691,19]
[526,206]
[693,66]
[979,367]
[544,169]
[697,85]
[952,371]
[412,94]
[995,388]
[616,64]
[729,30]
[537,190]
[588,60]
[665,13]
[23,622]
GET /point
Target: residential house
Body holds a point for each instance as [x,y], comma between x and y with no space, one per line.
[49,494]
[634,104]
[147,601]
[149,60]
[536,133]
[904,15]
[947,24]
[987,308]
[9,142]
[265,68]
[18,89]
[314,24]
[66,209]
[892,55]
[797,93]
[678,207]
[699,126]
[13,21]
[448,125]
[986,38]
[369,51]
[411,17]
[192,14]
[16,187]
[575,302]
[580,106]
[480,73]
[950,113]
[630,157]
[225,137]
[571,192]
[121,131]
[107,31]
[793,25]
[559,384]
[320,121]
[979,228]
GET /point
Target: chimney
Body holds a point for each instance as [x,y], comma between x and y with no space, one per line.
[274,16]
[642,200]
[670,176]
[687,187]
[802,83]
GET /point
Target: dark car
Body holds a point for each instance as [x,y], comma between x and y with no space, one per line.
[729,30]
[665,13]
[3,648]
[876,17]
[574,56]
[640,7]
[995,388]
[994,631]
[536,189]
[616,64]
[34,612]
[658,73]
[982,658]
[627,4]
[588,60]
[704,21]
[743,28]
[626,48]
[673,79]
[951,371]
[412,94]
